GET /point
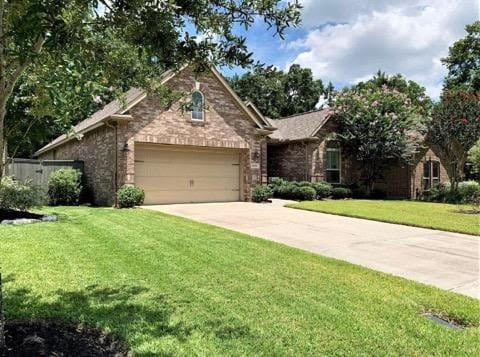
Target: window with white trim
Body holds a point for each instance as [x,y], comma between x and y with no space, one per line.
[333,162]
[197,106]
[431,174]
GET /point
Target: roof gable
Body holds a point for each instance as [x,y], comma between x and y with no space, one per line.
[300,126]
[134,96]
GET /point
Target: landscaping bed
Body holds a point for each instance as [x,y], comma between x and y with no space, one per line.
[15,217]
[37,338]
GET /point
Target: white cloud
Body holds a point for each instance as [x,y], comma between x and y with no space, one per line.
[408,37]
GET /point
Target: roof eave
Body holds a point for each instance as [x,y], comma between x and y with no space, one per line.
[311,139]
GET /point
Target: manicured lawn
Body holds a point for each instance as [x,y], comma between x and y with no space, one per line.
[420,214]
[171,286]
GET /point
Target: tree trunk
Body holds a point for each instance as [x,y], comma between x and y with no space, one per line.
[3,142]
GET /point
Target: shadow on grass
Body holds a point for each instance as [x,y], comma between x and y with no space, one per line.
[130,313]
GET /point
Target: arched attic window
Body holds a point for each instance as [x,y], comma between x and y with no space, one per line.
[197,106]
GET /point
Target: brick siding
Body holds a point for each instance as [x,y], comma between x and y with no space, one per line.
[226,126]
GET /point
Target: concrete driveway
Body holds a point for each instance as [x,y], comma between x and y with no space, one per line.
[449,261]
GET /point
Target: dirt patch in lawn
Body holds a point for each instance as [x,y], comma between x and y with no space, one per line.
[11,214]
[37,338]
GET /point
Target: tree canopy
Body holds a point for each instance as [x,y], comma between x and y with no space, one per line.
[277,93]
[463,61]
[377,125]
[454,130]
[163,34]
[414,92]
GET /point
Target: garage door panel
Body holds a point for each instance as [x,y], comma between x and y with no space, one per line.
[179,175]
[185,170]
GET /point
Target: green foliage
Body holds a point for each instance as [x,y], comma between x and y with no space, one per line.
[19,195]
[261,193]
[300,191]
[303,193]
[474,156]
[341,193]
[64,187]
[454,130]
[377,126]
[322,189]
[130,196]
[414,92]
[277,93]
[463,61]
[72,57]
[469,191]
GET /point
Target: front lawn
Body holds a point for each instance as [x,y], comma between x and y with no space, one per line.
[440,216]
[170,286]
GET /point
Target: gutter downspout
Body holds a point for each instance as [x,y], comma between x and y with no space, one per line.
[115,163]
[306,161]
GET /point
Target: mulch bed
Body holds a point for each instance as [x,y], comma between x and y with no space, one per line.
[38,338]
[11,214]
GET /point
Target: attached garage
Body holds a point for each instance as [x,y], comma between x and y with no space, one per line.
[175,174]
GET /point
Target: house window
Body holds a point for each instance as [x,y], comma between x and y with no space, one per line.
[333,162]
[197,106]
[431,174]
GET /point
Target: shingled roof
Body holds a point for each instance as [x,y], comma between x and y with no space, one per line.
[130,98]
[299,126]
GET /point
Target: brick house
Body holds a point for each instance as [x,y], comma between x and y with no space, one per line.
[303,149]
[215,151]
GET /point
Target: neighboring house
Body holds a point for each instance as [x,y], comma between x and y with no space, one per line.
[304,149]
[216,151]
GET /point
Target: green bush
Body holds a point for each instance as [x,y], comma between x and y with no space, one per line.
[299,191]
[18,195]
[261,193]
[277,181]
[64,187]
[281,189]
[468,191]
[129,196]
[303,193]
[322,189]
[341,192]
[437,193]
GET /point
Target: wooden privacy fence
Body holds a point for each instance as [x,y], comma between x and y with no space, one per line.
[38,171]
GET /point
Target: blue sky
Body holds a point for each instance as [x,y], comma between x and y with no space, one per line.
[345,41]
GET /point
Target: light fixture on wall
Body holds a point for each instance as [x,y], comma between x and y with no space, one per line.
[125,148]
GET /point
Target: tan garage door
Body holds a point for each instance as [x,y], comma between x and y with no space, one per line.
[180,175]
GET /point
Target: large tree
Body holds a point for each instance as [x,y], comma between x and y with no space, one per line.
[414,92]
[73,85]
[377,125]
[277,93]
[463,61]
[157,30]
[454,129]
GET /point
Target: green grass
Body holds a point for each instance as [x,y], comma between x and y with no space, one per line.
[442,216]
[170,286]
